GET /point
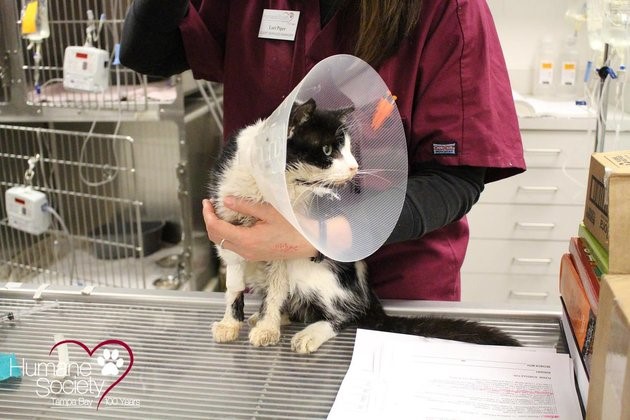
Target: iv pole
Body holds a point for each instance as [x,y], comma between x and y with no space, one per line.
[602,113]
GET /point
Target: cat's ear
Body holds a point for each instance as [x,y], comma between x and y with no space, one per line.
[344,112]
[302,113]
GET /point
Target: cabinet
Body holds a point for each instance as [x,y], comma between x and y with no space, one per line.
[521,226]
[158,133]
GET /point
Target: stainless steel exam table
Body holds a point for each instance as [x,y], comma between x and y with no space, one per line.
[178,371]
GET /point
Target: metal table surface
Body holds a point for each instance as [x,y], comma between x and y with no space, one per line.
[177,370]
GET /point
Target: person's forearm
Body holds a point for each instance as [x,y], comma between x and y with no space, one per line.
[151,40]
[437,196]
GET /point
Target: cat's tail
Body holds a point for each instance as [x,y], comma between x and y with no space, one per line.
[446,328]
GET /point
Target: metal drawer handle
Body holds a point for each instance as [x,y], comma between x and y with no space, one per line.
[532,261]
[544,151]
[537,188]
[529,295]
[531,225]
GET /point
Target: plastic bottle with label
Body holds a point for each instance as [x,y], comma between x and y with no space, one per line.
[544,82]
[569,66]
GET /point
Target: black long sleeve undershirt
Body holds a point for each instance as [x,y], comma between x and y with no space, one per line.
[436,195]
[151,41]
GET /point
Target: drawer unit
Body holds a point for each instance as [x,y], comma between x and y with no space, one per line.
[540,186]
[515,257]
[521,221]
[564,149]
[510,288]
[521,226]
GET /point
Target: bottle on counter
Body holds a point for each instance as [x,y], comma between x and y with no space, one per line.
[544,69]
[569,65]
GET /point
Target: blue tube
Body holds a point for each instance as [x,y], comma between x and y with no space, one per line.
[587,71]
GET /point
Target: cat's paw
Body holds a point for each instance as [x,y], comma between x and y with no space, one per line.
[261,336]
[225,331]
[312,337]
[305,343]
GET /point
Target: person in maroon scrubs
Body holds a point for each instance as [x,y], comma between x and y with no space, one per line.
[442,60]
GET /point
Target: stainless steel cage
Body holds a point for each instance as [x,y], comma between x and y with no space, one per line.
[89,179]
[165,117]
[76,23]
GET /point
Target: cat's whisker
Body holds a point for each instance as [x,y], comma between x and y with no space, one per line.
[298,198]
[313,185]
[376,176]
[380,170]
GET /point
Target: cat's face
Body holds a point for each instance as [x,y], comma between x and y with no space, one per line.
[319,146]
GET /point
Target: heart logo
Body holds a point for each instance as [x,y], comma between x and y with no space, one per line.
[91,352]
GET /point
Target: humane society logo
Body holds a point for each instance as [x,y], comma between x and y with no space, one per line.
[82,384]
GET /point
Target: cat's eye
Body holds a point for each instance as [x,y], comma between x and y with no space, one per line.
[327,149]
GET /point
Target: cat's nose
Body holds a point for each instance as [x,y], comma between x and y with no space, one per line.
[353,169]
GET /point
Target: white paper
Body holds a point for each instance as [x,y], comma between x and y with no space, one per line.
[407,377]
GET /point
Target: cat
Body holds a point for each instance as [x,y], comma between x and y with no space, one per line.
[331,295]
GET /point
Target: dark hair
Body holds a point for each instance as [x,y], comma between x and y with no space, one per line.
[383,25]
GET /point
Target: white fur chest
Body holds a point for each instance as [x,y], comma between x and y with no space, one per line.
[237,178]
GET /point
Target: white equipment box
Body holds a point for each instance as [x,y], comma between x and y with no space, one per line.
[25,210]
[86,69]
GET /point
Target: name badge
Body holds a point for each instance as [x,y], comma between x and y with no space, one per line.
[279,24]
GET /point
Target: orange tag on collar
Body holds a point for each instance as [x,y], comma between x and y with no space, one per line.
[383,110]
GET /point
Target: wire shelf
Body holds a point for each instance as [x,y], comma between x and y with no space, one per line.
[68,22]
[90,182]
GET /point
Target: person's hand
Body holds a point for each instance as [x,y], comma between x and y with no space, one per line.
[272,237]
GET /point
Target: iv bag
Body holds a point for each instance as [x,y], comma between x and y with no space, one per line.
[576,13]
[608,22]
[34,20]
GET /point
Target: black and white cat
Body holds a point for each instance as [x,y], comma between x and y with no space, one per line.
[330,295]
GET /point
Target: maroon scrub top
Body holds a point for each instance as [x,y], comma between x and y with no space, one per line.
[453,94]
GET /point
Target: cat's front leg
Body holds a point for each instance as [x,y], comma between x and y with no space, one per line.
[312,337]
[253,319]
[266,332]
[229,327]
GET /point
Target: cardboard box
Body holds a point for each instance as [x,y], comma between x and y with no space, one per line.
[609,388]
[607,207]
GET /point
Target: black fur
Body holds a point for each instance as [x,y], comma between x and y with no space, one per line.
[359,306]
[238,307]
[311,130]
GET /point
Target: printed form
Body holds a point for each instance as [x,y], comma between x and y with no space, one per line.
[408,377]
